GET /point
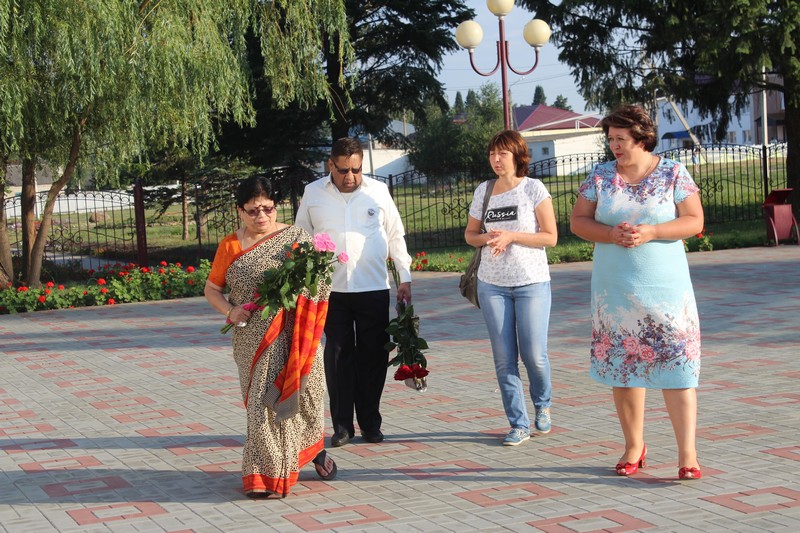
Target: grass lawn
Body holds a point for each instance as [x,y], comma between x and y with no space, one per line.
[570,249]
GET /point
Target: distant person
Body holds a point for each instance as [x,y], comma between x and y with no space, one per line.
[276,447]
[514,280]
[360,216]
[645,328]
[695,157]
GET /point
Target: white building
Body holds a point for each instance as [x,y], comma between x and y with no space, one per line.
[745,129]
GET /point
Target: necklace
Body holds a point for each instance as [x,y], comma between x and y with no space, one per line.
[650,168]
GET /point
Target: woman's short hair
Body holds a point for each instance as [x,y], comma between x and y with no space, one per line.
[636,120]
[258,186]
[513,142]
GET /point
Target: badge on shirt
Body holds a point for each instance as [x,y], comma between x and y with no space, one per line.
[501,214]
[371,212]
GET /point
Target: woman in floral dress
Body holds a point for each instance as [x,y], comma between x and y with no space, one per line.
[645,329]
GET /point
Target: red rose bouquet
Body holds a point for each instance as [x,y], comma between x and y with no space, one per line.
[404,331]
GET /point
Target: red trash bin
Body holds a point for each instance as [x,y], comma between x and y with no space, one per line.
[779,217]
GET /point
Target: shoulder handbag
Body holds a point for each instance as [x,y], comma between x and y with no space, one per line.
[468,285]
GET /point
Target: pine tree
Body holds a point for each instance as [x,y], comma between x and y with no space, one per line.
[561,103]
[538,96]
[458,106]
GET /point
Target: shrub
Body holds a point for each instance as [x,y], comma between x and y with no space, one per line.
[111,285]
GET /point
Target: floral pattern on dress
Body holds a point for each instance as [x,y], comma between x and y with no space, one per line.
[654,346]
[644,317]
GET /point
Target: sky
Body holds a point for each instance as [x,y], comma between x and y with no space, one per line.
[554,77]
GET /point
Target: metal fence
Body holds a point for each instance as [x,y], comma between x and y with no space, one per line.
[734,180]
[87,226]
[562,176]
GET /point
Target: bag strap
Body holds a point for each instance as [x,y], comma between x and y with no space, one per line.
[489,188]
[478,251]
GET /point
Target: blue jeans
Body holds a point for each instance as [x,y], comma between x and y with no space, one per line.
[517,319]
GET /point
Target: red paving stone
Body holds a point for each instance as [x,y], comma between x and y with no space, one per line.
[508,494]
[605,521]
[354,515]
[753,501]
[115,512]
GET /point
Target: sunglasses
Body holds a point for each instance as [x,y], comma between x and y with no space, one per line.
[256,210]
[346,171]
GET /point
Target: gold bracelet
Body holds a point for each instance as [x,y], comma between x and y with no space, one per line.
[228,314]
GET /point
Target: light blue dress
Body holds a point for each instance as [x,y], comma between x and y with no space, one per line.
[645,328]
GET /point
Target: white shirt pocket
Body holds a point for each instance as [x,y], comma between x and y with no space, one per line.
[370,218]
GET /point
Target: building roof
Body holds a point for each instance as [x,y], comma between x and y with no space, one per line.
[544,117]
[543,136]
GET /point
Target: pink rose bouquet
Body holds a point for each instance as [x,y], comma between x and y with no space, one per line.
[305,265]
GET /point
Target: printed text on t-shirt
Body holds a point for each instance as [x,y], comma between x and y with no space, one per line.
[501,214]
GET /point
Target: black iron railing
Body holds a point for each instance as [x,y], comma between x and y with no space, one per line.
[734,180]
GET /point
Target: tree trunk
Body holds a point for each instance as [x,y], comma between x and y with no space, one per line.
[6,262]
[340,126]
[185,209]
[28,213]
[37,252]
[792,123]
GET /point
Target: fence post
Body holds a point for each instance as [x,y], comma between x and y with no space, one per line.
[391,186]
[141,223]
[765,168]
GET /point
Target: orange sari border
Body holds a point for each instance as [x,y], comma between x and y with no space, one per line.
[275,328]
[309,325]
[282,486]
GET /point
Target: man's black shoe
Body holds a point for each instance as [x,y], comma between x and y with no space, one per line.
[340,439]
[373,437]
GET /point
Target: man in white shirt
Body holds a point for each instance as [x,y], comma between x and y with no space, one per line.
[360,216]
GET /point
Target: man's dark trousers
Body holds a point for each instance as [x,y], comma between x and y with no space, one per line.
[355,358]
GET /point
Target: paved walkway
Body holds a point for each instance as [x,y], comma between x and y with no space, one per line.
[128,418]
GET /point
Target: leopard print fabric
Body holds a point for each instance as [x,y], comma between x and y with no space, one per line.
[273,451]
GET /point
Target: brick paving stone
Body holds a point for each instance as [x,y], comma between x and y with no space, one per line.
[129,419]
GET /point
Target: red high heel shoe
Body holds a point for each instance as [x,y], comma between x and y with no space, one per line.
[628,469]
[688,472]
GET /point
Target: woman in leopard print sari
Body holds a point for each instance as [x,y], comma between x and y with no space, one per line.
[277,445]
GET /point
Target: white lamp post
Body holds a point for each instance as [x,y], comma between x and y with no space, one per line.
[469,35]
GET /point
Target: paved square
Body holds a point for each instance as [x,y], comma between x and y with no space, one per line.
[128,418]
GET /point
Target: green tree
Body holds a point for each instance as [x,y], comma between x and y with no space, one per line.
[458,105]
[106,80]
[472,99]
[437,142]
[538,96]
[443,144]
[710,53]
[399,47]
[561,103]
